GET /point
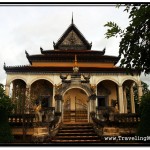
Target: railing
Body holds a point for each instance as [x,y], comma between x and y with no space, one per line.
[54,123]
[21,120]
[96,121]
[97,124]
[120,120]
[127,120]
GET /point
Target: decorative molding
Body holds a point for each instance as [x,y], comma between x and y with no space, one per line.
[92,97]
[58,97]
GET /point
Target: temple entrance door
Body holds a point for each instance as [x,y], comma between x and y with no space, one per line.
[67,111]
[75,108]
[80,111]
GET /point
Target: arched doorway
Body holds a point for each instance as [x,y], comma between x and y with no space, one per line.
[130,94]
[107,99]
[107,93]
[42,92]
[75,106]
[18,95]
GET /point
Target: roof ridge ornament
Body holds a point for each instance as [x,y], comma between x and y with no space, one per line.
[41,49]
[72,18]
[27,54]
[75,68]
[77,43]
[75,60]
[104,50]
[4,66]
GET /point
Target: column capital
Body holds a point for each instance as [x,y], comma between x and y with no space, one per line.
[120,86]
[58,97]
[28,85]
[92,97]
[139,85]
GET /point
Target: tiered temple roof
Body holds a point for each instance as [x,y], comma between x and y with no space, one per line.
[61,59]
[68,56]
[36,69]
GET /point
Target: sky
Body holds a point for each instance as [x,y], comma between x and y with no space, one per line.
[31,27]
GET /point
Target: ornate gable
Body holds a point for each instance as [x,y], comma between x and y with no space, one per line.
[72,39]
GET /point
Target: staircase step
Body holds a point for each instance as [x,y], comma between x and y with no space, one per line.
[77,137]
[76,141]
[76,133]
[77,124]
[75,127]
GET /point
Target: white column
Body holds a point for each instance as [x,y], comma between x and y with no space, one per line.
[58,103]
[132,99]
[92,100]
[94,105]
[59,106]
[140,93]
[88,110]
[7,89]
[27,99]
[120,96]
[91,104]
[125,100]
[53,98]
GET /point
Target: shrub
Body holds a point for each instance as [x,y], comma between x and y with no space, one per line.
[144,126]
[5,109]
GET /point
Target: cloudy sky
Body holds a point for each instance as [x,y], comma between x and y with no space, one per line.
[31,27]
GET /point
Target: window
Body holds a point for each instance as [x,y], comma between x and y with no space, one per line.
[45,101]
[101,101]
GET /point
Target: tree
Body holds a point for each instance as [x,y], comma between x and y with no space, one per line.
[144,126]
[145,90]
[5,109]
[134,48]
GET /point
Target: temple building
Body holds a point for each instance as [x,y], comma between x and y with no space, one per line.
[73,80]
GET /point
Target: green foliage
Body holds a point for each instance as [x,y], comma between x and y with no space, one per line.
[5,133]
[114,31]
[144,126]
[135,44]
[145,90]
[5,101]
[5,109]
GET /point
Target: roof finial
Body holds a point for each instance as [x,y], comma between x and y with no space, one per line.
[75,61]
[41,49]
[26,53]
[72,17]
[75,68]
[104,49]
[4,65]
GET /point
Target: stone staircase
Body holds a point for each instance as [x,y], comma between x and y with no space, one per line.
[76,133]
